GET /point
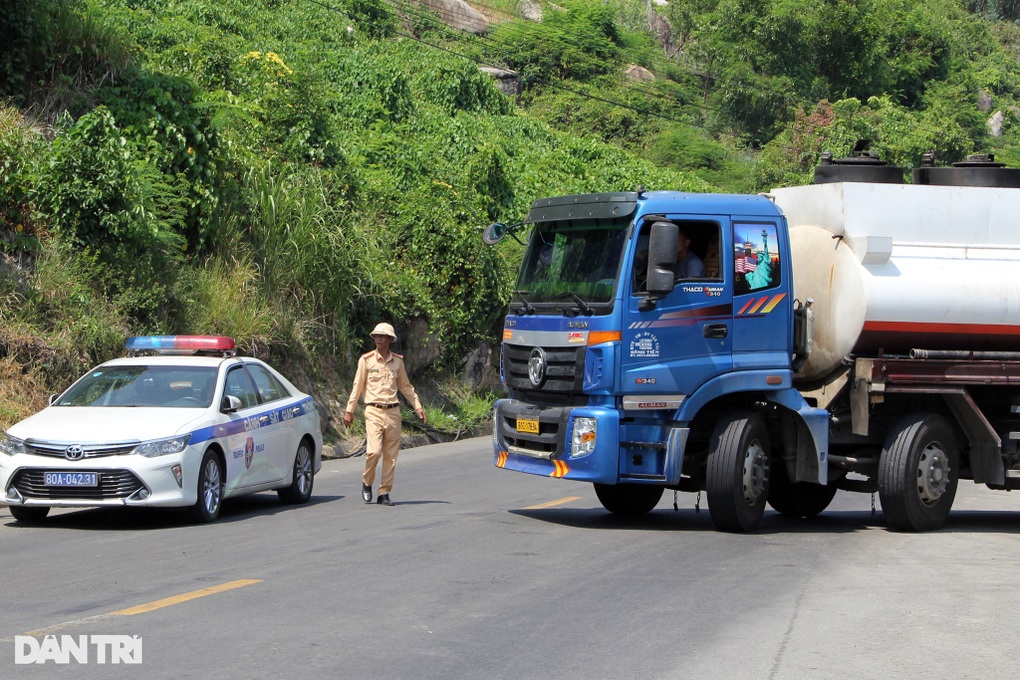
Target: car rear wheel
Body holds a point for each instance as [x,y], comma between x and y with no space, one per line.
[300,489]
[28,514]
[210,490]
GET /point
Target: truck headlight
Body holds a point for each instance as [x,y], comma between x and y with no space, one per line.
[583,441]
[162,447]
[10,445]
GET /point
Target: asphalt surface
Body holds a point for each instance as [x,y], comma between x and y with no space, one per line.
[469,577]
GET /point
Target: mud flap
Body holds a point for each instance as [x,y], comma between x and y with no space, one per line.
[812,436]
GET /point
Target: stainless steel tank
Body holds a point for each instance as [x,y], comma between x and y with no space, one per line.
[896,267]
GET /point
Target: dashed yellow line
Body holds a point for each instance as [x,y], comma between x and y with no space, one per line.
[184,597]
[552,504]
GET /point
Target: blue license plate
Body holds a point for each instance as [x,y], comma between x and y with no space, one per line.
[71,479]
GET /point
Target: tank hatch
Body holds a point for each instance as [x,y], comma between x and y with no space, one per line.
[978,170]
[862,166]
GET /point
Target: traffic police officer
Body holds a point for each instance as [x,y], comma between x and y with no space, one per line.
[380,376]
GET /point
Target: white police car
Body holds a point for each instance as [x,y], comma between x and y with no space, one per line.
[190,426]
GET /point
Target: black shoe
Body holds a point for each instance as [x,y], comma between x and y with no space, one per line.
[366,493]
[384,499]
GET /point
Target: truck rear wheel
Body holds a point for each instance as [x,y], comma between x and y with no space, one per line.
[918,472]
[630,500]
[798,499]
[737,478]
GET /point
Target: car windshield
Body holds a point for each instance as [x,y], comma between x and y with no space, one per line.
[160,386]
[566,261]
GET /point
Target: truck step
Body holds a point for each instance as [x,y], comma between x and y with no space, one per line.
[644,478]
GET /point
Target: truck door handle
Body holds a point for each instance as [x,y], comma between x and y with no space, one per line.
[716,330]
[264,420]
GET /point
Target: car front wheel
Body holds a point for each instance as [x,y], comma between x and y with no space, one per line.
[210,490]
[29,513]
[300,489]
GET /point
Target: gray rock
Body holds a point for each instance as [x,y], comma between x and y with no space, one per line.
[481,370]
[460,15]
[995,124]
[984,101]
[532,11]
[638,73]
[419,347]
[509,82]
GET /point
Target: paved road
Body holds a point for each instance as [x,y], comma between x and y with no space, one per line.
[468,577]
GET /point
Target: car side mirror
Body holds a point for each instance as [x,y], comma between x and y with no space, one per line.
[230,404]
[53,399]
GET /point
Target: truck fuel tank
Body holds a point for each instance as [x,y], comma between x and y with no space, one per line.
[895,267]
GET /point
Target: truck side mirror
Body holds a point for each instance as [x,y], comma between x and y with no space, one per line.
[662,243]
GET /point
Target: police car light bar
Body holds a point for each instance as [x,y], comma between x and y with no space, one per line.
[176,343]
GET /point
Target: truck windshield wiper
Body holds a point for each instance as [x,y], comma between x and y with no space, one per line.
[585,308]
[528,307]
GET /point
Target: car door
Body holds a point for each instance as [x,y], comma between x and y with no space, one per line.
[249,440]
[282,433]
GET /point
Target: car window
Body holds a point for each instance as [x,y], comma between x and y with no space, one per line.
[239,385]
[160,386]
[270,389]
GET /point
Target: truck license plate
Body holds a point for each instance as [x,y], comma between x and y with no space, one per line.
[71,479]
[527,425]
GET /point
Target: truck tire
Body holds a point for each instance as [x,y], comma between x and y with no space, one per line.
[737,477]
[629,500]
[798,499]
[918,472]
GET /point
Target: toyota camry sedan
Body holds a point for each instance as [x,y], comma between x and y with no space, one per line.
[180,422]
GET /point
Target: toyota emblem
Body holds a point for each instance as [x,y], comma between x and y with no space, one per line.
[536,366]
[74,452]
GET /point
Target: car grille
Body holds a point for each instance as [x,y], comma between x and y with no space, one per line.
[56,450]
[112,484]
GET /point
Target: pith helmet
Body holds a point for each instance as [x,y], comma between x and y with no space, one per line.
[384,329]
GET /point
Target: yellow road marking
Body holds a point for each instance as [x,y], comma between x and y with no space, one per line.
[552,504]
[184,597]
[140,609]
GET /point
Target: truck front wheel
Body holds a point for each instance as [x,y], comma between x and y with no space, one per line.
[737,478]
[629,500]
[918,472]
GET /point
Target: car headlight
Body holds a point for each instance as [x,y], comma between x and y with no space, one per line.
[10,445]
[583,441]
[162,447]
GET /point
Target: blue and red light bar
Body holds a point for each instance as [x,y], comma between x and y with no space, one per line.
[194,343]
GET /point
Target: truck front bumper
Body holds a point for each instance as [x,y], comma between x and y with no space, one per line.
[540,441]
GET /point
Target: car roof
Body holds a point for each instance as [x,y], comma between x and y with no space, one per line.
[173,360]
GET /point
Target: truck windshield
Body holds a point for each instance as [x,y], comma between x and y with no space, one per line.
[567,261]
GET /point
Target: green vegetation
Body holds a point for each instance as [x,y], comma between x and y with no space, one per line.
[289,172]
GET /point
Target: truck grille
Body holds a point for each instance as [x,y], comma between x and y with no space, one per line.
[564,375]
[112,484]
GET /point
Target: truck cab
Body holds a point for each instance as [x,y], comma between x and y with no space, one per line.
[617,368]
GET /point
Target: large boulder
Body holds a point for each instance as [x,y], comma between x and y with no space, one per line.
[995,124]
[508,82]
[419,347]
[460,15]
[481,369]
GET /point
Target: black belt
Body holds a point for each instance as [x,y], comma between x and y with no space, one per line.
[384,406]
